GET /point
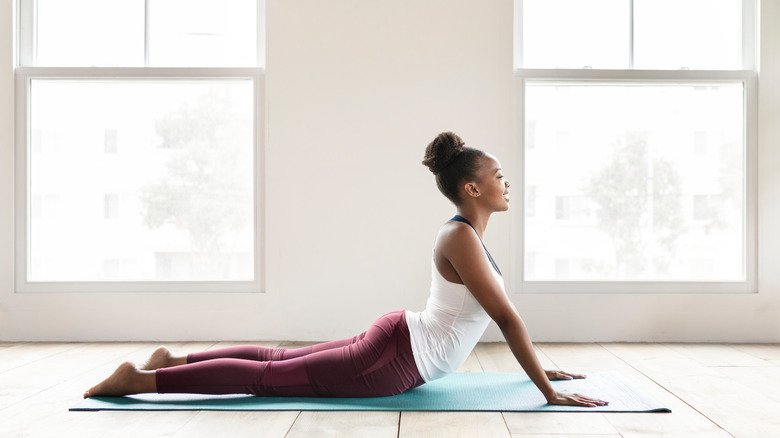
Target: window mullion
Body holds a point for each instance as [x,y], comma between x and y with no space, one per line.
[140,72]
[630,75]
[631,34]
[146,33]
[26,33]
[34,30]
[518,34]
[749,26]
[260,36]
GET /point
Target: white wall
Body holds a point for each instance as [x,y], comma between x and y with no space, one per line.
[355,90]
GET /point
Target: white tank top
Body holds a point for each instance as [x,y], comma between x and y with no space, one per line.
[444,333]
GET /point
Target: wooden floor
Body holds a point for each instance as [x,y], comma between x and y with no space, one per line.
[716,390]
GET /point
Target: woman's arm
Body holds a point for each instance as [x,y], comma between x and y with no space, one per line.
[464,251]
[516,336]
[519,342]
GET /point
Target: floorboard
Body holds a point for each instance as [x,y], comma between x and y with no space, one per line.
[452,424]
[767,352]
[737,409]
[714,390]
[345,424]
[22,354]
[682,421]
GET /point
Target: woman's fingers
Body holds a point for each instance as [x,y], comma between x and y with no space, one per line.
[588,401]
[577,400]
[594,401]
[563,375]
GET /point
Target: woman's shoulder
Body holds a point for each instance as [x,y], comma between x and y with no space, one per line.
[452,230]
[455,236]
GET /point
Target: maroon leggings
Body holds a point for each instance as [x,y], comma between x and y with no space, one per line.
[377,362]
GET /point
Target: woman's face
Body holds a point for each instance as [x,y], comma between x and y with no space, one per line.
[493,186]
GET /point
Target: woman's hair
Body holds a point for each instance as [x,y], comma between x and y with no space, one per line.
[448,157]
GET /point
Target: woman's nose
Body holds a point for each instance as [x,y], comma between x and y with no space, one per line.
[507,183]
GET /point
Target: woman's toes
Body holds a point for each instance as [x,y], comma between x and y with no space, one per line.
[159,359]
[118,383]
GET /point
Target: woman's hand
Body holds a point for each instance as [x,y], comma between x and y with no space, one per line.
[575,400]
[562,375]
[571,399]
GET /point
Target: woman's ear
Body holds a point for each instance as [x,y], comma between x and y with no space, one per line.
[471,189]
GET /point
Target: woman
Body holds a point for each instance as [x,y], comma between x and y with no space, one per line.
[402,349]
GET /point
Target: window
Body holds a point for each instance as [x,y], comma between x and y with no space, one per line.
[637,144]
[139,143]
[109,141]
[530,201]
[110,205]
[562,210]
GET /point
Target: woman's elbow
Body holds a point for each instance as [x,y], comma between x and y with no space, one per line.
[507,321]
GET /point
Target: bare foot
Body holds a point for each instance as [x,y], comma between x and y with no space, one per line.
[125,380]
[160,358]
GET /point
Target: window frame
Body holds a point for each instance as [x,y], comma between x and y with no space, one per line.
[25,73]
[748,77]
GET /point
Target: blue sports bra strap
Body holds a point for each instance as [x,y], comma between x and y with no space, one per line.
[460,218]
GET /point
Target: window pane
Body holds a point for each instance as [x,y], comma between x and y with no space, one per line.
[697,34]
[173,200]
[203,33]
[638,182]
[88,33]
[575,33]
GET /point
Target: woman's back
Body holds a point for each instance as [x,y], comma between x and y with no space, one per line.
[446,331]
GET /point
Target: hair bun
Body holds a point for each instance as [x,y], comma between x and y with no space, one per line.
[442,150]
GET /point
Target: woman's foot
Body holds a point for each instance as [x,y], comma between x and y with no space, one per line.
[125,380]
[162,358]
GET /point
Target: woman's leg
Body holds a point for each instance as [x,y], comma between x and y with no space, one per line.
[379,363]
[163,358]
[259,353]
[127,379]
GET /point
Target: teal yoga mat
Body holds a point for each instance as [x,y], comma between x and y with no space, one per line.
[496,392]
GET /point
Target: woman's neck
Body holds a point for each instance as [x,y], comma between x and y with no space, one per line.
[479,219]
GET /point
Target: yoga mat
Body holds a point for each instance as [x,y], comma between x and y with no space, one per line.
[493,392]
